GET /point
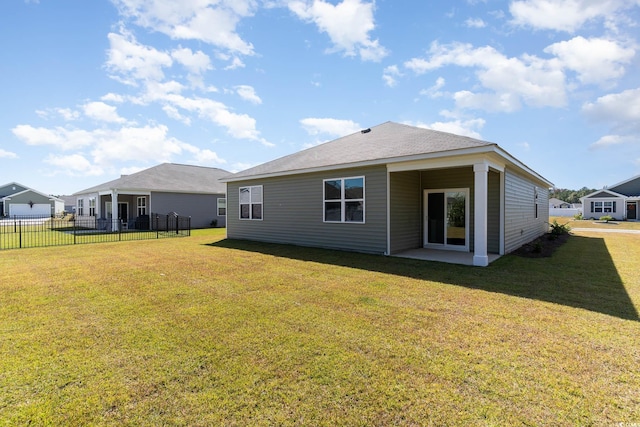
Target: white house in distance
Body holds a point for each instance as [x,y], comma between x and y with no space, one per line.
[620,201]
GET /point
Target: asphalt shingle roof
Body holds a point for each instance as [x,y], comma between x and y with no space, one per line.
[383,142]
[168,177]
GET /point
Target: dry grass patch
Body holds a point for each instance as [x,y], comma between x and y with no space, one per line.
[203,331]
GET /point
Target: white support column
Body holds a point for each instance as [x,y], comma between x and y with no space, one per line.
[481,180]
[114,207]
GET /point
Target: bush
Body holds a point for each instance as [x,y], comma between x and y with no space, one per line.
[606,218]
[578,217]
[559,229]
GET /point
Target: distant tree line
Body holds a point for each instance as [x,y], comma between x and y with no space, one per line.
[570,196]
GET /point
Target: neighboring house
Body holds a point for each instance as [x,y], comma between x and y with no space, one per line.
[193,191]
[559,207]
[69,204]
[620,201]
[558,204]
[17,200]
[390,189]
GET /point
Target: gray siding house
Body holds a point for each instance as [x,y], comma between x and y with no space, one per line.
[17,200]
[390,189]
[193,191]
[620,201]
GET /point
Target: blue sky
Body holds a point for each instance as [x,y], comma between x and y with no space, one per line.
[95,89]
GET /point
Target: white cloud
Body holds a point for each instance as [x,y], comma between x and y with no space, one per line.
[102,112]
[434,91]
[468,128]
[209,21]
[207,157]
[59,137]
[610,140]
[596,60]
[195,63]
[4,154]
[389,75]
[248,93]
[331,127]
[107,146]
[620,110]
[235,63]
[74,164]
[240,126]
[174,113]
[130,61]
[113,97]
[347,24]
[566,15]
[68,114]
[475,23]
[510,81]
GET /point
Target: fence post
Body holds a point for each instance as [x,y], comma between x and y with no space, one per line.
[20,235]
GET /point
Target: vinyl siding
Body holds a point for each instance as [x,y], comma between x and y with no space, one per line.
[293,209]
[202,208]
[406,208]
[493,213]
[30,196]
[619,214]
[10,189]
[521,225]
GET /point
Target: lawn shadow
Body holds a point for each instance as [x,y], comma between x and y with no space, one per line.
[580,274]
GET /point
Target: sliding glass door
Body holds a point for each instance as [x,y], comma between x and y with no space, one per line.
[446,219]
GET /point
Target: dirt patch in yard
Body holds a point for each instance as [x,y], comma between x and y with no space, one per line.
[542,247]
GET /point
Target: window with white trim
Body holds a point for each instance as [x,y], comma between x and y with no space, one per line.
[535,200]
[344,199]
[92,206]
[603,207]
[222,207]
[142,206]
[251,202]
[80,207]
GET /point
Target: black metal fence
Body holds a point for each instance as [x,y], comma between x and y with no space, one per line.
[31,232]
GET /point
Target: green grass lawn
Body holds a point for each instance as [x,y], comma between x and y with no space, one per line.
[205,331]
[589,223]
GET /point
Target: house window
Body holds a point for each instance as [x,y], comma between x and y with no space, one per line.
[142,206]
[222,207]
[92,206]
[251,202]
[80,207]
[344,199]
[535,200]
[597,207]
